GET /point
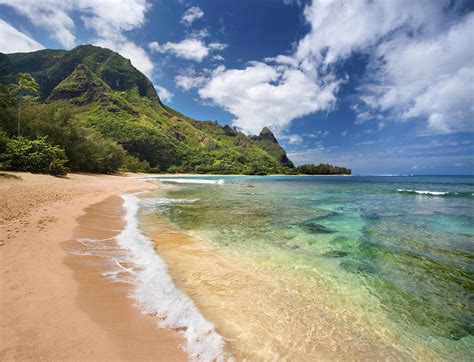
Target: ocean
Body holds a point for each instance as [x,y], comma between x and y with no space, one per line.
[309,267]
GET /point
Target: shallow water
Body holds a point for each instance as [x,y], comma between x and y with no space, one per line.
[325,267]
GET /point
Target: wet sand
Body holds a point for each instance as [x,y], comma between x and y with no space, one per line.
[55,305]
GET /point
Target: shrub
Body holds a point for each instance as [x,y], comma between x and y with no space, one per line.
[57,168]
[133,164]
[36,155]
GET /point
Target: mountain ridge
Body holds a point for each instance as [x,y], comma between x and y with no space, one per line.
[111,96]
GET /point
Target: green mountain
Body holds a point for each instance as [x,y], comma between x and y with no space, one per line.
[109,96]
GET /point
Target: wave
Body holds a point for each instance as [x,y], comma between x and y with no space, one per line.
[163,201]
[192,181]
[435,193]
[156,293]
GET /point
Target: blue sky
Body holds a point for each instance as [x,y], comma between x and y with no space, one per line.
[383,87]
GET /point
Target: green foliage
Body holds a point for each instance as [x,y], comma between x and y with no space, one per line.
[133,164]
[86,148]
[6,96]
[50,67]
[37,155]
[25,83]
[323,169]
[106,115]
[4,158]
[3,141]
[57,167]
[103,155]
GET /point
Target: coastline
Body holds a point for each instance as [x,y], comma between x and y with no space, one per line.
[158,175]
[54,305]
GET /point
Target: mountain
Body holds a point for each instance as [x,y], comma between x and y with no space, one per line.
[267,141]
[49,67]
[110,96]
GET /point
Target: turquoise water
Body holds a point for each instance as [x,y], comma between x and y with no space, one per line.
[391,262]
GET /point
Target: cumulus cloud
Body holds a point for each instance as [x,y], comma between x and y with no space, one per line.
[51,15]
[12,40]
[431,78]
[109,20]
[192,14]
[187,82]
[292,139]
[263,95]
[190,48]
[164,94]
[420,65]
[420,56]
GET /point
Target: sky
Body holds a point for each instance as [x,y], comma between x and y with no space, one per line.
[380,86]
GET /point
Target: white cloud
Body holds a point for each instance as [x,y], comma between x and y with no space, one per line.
[164,94]
[187,83]
[420,52]
[218,58]
[344,134]
[263,95]
[109,20]
[130,50]
[12,40]
[217,46]
[294,139]
[420,65]
[51,15]
[441,90]
[192,14]
[319,134]
[190,48]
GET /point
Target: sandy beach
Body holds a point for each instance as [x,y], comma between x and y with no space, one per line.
[55,305]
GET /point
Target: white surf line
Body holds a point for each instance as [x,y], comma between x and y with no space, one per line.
[156,293]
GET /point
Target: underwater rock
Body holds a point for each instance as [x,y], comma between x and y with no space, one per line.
[315,228]
[335,254]
[355,266]
[457,332]
[328,215]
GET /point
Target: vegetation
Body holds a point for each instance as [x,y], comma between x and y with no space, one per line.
[323,169]
[37,155]
[22,91]
[106,117]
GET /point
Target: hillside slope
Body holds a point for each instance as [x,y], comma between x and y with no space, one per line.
[111,96]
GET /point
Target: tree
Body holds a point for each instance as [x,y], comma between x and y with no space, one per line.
[36,155]
[26,85]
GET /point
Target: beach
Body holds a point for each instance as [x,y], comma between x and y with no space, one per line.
[55,305]
[142,267]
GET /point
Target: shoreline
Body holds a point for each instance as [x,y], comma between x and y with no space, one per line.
[54,305]
[156,175]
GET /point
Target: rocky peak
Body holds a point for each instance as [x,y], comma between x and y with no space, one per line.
[267,135]
[81,86]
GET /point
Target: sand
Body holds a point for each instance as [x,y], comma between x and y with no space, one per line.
[55,305]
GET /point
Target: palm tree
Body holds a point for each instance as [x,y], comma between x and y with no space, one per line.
[26,84]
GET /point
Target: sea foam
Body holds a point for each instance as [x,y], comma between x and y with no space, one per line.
[156,293]
[192,181]
[422,192]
